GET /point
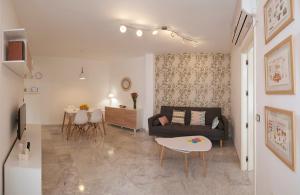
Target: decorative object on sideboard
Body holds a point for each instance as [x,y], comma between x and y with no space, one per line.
[126,84]
[280,134]
[82,75]
[134,98]
[277,15]
[174,33]
[84,107]
[279,69]
[122,106]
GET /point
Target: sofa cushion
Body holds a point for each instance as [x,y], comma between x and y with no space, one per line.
[197,118]
[178,117]
[210,113]
[180,130]
[163,120]
[215,123]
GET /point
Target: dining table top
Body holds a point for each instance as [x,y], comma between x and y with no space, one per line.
[75,110]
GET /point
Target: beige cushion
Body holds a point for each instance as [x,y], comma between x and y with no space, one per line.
[197,117]
[178,117]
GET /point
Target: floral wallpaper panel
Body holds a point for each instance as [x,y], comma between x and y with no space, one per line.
[193,79]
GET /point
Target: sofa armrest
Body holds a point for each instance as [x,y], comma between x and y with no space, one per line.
[151,119]
[226,126]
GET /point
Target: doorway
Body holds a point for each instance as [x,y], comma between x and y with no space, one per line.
[247,102]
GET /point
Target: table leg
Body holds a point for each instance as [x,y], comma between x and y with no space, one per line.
[69,126]
[186,167]
[103,124]
[204,163]
[63,124]
[162,155]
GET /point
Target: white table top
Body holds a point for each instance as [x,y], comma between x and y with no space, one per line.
[185,144]
[75,110]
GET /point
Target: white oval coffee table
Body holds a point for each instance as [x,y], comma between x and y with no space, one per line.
[185,145]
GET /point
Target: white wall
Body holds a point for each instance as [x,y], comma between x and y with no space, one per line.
[61,86]
[11,89]
[236,98]
[273,177]
[133,68]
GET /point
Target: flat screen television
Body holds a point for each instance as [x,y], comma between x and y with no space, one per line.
[21,120]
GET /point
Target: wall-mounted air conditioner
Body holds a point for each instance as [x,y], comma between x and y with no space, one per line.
[243,21]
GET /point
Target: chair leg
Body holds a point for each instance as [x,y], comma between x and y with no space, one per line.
[221,143]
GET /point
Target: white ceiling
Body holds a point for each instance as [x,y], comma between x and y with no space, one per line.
[90,28]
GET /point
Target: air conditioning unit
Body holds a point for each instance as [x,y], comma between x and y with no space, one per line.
[245,12]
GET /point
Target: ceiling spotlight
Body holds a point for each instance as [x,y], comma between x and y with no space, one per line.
[123,29]
[139,33]
[154,32]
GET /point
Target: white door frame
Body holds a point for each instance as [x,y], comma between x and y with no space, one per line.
[248,102]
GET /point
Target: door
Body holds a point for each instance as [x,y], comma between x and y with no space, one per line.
[247,107]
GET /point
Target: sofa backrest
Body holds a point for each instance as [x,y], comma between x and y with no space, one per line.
[210,113]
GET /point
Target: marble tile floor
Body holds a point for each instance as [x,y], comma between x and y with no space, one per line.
[122,164]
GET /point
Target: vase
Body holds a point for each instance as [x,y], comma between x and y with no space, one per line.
[134,104]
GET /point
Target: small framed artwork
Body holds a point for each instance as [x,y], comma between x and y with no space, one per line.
[277,15]
[279,69]
[280,134]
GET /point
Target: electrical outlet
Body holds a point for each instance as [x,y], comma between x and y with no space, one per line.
[257,117]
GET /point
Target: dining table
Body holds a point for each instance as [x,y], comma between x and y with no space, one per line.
[69,113]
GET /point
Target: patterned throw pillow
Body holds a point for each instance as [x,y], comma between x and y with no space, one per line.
[178,117]
[163,120]
[197,118]
[215,123]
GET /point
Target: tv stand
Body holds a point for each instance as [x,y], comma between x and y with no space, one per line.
[25,176]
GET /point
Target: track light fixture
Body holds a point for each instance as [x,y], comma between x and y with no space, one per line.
[186,39]
[123,29]
[139,33]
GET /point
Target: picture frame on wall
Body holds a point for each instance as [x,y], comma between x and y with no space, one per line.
[280,134]
[277,15]
[279,69]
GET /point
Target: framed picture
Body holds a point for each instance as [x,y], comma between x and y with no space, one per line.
[280,134]
[279,69]
[277,15]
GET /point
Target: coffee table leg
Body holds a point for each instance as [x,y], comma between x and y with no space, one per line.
[186,167]
[204,163]
[162,155]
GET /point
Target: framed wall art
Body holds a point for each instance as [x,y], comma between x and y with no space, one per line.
[280,134]
[277,15]
[279,68]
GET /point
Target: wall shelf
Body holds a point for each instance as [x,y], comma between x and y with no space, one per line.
[20,67]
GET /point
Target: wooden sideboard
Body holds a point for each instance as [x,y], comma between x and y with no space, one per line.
[124,117]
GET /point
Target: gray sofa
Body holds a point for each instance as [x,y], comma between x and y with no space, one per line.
[177,130]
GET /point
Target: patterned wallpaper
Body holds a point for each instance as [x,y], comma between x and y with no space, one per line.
[193,79]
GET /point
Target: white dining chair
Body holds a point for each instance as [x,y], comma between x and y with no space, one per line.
[80,122]
[95,120]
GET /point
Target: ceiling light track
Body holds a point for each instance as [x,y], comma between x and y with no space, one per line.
[186,39]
